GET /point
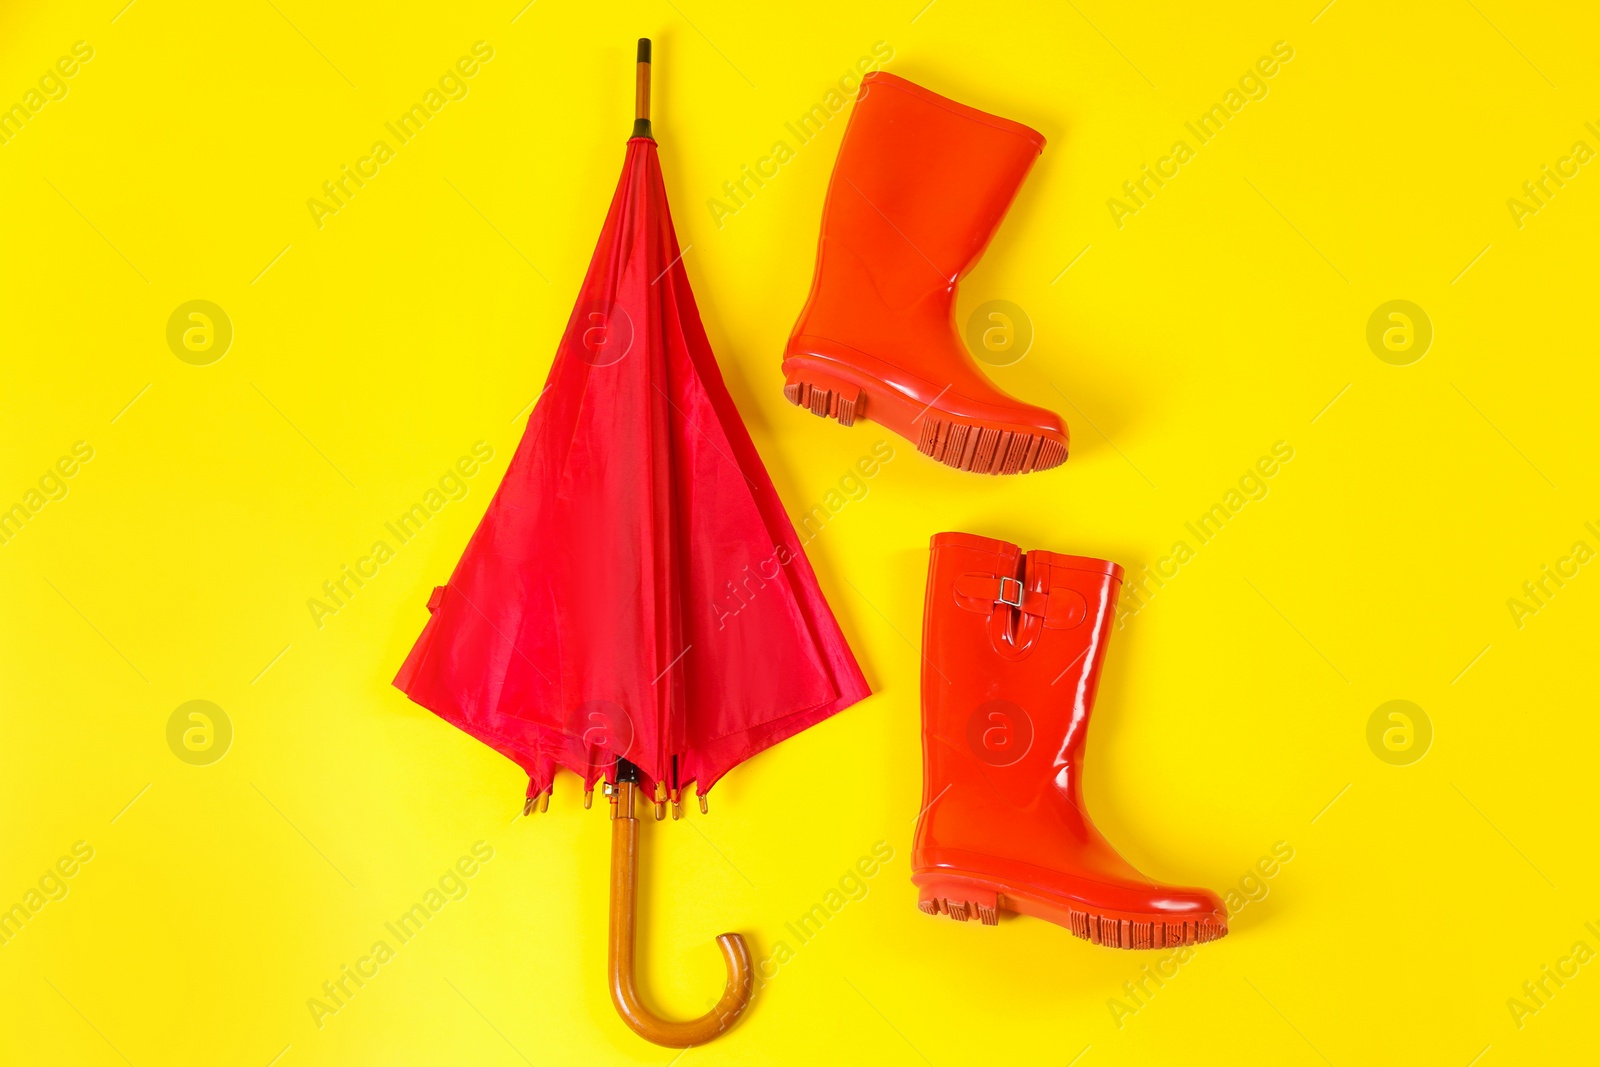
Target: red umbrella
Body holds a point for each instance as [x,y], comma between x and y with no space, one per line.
[635,604]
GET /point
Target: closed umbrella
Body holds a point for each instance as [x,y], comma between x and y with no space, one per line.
[635,605]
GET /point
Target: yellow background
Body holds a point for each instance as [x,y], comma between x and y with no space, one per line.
[1224,316]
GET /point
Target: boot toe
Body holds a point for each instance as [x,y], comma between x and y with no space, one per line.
[1185,903]
[991,433]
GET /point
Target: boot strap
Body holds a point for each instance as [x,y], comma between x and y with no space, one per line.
[1061,607]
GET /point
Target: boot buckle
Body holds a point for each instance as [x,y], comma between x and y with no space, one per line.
[1017,603]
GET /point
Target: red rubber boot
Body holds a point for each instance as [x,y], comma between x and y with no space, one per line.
[1012,648]
[919,188]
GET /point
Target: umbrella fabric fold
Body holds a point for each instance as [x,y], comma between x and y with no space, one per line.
[635,588]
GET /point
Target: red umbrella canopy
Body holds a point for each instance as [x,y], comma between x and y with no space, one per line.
[635,589]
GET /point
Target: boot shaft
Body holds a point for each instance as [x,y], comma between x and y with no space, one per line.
[921,185]
[1013,645]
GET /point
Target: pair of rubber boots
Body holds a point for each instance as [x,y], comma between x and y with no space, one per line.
[919,189]
[1012,643]
[1012,649]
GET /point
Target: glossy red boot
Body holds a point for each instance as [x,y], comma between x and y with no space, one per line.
[919,188]
[1012,649]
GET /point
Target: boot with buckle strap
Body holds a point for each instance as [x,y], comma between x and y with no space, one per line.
[1013,644]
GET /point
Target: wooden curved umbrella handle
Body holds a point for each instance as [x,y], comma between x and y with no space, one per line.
[624,993]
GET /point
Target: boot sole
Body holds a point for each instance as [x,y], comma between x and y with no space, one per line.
[965,444]
[963,899]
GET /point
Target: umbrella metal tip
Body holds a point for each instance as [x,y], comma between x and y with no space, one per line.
[704,808]
[644,50]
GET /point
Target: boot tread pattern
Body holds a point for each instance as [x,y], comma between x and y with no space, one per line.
[964,445]
[986,450]
[1098,929]
[841,404]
